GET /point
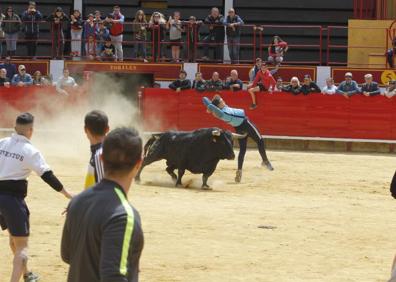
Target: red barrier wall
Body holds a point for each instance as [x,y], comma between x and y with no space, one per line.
[315,115]
[35,99]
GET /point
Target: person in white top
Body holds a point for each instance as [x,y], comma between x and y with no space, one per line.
[18,158]
[330,88]
[65,81]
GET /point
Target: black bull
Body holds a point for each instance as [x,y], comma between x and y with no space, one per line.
[198,151]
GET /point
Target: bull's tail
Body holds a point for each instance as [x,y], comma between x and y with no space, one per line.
[150,142]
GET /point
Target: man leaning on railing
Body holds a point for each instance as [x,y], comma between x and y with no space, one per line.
[31,18]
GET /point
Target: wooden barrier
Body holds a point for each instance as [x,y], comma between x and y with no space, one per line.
[281,114]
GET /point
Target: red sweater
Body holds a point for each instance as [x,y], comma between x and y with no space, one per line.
[117,28]
[266,79]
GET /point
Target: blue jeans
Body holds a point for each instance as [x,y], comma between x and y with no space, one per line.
[139,49]
[233,48]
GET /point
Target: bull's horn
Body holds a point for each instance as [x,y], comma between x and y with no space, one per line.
[216,132]
[238,136]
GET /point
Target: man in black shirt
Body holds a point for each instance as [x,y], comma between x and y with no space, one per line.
[215,38]
[309,86]
[4,81]
[370,88]
[102,236]
[182,83]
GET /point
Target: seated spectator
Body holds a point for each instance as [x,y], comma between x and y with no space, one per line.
[199,83]
[108,51]
[348,87]
[233,82]
[215,84]
[65,82]
[264,81]
[294,87]
[276,50]
[40,80]
[255,69]
[370,88]
[330,88]
[390,90]
[279,85]
[309,86]
[182,83]
[4,80]
[390,54]
[156,85]
[10,67]
[22,78]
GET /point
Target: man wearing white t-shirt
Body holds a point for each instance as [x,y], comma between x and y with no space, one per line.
[18,158]
[65,83]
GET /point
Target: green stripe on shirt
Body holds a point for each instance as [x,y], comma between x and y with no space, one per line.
[128,231]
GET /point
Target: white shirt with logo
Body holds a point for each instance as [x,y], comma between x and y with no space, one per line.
[18,158]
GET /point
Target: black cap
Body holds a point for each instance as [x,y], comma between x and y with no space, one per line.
[216,100]
[25,118]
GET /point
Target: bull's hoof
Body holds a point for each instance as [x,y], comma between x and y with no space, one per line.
[206,187]
[179,185]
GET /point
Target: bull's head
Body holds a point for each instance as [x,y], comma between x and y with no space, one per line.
[224,143]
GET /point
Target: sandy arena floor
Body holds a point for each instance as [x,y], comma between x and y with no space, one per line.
[332,217]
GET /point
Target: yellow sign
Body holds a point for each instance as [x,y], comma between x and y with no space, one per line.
[387,76]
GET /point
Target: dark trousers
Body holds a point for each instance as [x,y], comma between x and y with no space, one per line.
[247,127]
[31,44]
[216,44]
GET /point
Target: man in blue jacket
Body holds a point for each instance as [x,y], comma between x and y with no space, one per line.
[31,18]
[242,125]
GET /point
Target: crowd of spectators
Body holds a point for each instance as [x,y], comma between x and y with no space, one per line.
[74,36]
[264,81]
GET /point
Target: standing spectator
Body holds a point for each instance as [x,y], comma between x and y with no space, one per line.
[139,29]
[89,31]
[22,78]
[108,51]
[330,88]
[199,83]
[233,83]
[391,89]
[279,85]
[90,48]
[65,82]
[11,25]
[294,87]
[215,22]
[57,20]
[348,87]
[264,81]
[98,18]
[102,237]
[76,29]
[390,54]
[215,84]
[4,81]
[370,88]
[116,21]
[276,50]
[157,25]
[1,33]
[31,19]
[233,29]
[182,83]
[9,66]
[309,86]
[102,35]
[193,37]
[175,35]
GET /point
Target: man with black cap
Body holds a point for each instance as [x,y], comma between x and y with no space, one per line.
[102,237]
[238,119]
[18,158]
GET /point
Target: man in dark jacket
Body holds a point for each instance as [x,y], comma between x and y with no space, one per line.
[102,237]
[233,83]
[215,23]
[215,84]
[31,18]
[182,83]
[309,86]
[233,23]
[10,67]
[370,88]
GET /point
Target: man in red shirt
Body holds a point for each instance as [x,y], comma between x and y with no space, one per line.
[116,22]
[264,81]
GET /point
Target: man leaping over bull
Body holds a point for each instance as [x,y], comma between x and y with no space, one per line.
[242,125]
